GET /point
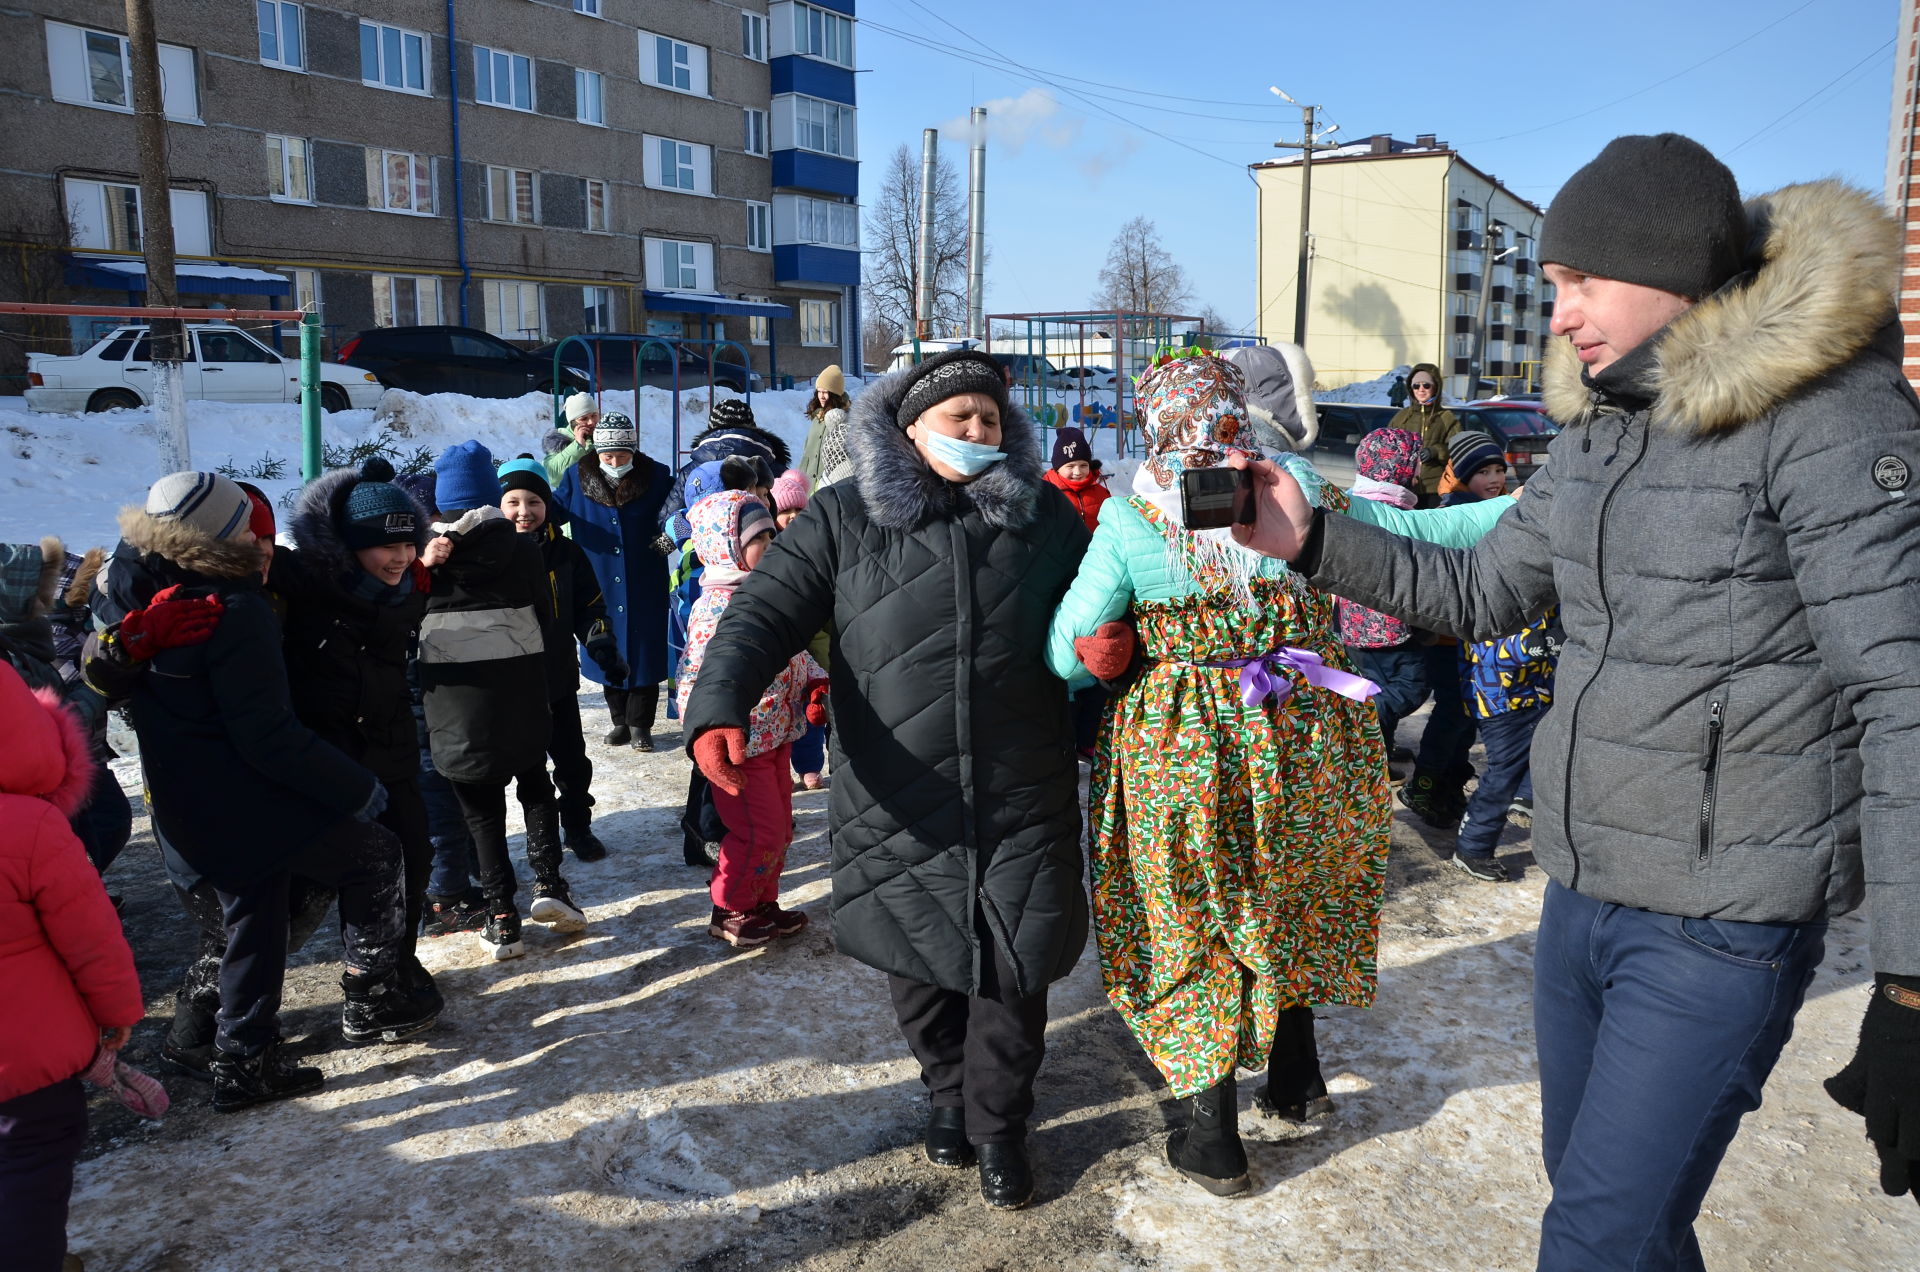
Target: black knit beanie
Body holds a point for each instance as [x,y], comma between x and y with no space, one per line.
[1657,211]
[948,375]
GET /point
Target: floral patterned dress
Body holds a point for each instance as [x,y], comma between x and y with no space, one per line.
[1239,852]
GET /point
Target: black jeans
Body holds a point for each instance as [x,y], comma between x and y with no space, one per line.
[41,1134]
[977,1053]
[572,770]
[361,860]
[484,804]
[406,816]
[634,707]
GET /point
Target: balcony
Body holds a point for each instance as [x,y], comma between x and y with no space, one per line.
[810,264]
[807,170]
[1466,282]
[812,78]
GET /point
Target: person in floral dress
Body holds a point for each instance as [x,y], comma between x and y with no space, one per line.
[1239,803]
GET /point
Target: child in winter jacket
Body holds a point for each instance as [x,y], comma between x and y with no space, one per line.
[1073,475]
[579,613]
[810,748]
[730,532]
[1384,649]
[67,982]
[483,680]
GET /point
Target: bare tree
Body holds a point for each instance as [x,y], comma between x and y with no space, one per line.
[893,248]
[1212,320]
[1140,275]
[877,341]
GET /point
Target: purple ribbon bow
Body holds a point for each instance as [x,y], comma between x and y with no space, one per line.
[1264,676]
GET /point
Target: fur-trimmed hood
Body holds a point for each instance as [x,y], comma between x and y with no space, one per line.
[1823,266]
[186,548]
[43,748]
[79,592]
[315,524]
[901,492]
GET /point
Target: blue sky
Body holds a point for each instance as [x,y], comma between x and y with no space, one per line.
[1126,108]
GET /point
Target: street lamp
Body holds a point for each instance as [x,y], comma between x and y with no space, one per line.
[1308,143]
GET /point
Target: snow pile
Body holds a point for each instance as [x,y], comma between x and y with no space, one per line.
[1372,391]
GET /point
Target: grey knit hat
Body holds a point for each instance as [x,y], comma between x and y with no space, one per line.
[1657,211]
[948,375]
[212,504]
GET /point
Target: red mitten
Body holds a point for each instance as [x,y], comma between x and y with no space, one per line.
[816,702]
[719,753]
[1108,651]
[170,621]
[422,577]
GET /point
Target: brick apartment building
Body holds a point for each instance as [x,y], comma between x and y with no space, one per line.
[537,168]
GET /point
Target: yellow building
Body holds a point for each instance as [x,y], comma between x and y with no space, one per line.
[1397,265]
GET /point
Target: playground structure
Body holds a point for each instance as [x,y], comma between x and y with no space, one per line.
[670,346]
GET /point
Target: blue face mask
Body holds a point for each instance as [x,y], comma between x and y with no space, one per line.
[617,471]
[969,459]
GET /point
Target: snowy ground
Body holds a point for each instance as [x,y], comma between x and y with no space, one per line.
[640,1096]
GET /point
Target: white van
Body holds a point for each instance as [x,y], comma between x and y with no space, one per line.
[902,356]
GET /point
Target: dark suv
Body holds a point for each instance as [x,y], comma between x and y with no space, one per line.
[614,354]
[453,360]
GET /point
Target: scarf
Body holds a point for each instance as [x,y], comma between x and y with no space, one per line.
[1385,492]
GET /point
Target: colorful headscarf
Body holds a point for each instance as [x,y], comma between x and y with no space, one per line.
[1192,408]
[723,524]
[1389,455]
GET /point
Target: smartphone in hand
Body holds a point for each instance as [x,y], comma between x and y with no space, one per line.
[1215,498]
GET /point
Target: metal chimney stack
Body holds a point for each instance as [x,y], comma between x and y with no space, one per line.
[929,166]
[977,229]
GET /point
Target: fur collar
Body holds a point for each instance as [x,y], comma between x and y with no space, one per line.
[80,591]
[193,551]
[316,532]
[1826,262]
[469,520]
[602,489]
[901,492]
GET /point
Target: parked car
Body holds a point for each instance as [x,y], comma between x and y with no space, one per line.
[1342,425]
[1031,369]
[613,356]
[453,360]
[1101,378]
[906,354]
[223,364]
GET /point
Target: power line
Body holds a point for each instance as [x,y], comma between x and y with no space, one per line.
[1808,101]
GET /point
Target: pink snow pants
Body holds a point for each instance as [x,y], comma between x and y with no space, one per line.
[759,824]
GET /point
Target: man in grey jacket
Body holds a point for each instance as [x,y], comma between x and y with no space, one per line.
[1728,521]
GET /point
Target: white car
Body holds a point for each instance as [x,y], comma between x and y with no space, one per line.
[1100,378]
[223,364]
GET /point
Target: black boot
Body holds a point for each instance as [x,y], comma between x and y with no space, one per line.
[642,705]
[417,983]
[947,1137]
[1294,1089]
[619,735]
[240,1081]
[1424,794]
[380,1009]
[1209,1151]
[1006,1179]
[585,844]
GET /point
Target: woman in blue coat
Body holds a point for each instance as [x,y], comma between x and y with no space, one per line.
[614,496]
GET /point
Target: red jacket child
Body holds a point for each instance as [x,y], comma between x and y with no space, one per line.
[66,973]
[1073,475]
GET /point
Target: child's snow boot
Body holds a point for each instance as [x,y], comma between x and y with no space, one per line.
[740,928]
[585,844]
[447,915]
[1294,1089]
[241,1081]
[785,922]
[501,933]
[380,1009]
[1209,1151]
[552,901]
[1424,798]
[553,905]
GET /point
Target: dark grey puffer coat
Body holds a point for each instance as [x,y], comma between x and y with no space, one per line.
[1731,524]
[954,773]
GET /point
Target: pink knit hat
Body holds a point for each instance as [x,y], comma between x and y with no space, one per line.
[790,491]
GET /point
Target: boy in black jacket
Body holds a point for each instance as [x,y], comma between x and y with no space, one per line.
[483,676]
[579,612]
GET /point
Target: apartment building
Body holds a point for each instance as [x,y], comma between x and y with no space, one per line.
[537,168]
[1402,236]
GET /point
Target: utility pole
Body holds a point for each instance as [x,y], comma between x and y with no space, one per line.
[1307,144]
[166,336]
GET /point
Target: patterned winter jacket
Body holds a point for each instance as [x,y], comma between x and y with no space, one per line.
[1514,672]
[781,714]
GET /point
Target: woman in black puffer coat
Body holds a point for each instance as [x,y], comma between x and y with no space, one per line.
[956,819]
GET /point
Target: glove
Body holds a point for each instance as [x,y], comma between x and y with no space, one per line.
[719,753]
[663,544]
[170,621]
[1882,1082]
[605,652]
[376,803]
[1107,652]
[817,702]
[422,576]
[137,1090]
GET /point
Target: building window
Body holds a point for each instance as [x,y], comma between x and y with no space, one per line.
[510,196]
[677,266]
[819,322]
[753,36]
[797,219]
[1463,345]
[818,33]
[756,142]
[760,227]
[589,7]
[597,309]
[593,198]
[1468,217]
[398,181]
[104,214]
[289,171]
[678,165]
[405,300]
[306,289]
[514,311]
[827,127]
[393,57]
[674,64]
[282,35]
[91,68]
[589,97]
[502,79]
[759,330]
